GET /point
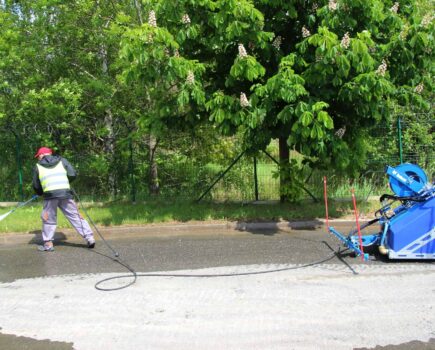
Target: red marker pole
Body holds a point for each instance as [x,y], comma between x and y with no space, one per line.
[325,194]
[357,225]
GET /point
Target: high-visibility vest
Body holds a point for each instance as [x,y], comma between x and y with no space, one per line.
[53,178]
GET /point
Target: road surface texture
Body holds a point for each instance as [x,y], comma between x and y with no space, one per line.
[276,290]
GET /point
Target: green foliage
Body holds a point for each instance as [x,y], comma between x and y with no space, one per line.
[57,103]
[169,83]
[303,86]
[291,177]
[96,76]
[247,68]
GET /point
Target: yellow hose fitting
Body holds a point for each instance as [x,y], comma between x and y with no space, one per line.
[383,250]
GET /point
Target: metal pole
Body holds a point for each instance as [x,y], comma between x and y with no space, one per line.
[273,159]
[221,176]
[399,137]
[255,178]
[131,167]
[303,187]
[20,170]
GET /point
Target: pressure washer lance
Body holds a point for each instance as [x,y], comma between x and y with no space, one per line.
[20,205]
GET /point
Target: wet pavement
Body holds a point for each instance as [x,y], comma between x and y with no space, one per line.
[211,252]
[180,251]
[156,252]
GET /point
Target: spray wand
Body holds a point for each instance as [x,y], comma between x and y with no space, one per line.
[20,205]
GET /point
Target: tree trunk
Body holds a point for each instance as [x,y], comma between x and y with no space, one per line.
[109,149]
[284,155]
[138,11]
[154,186]
[109,141]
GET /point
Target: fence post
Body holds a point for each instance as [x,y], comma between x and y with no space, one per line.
[131,167]
[399,139]
[255,178]
[19,165]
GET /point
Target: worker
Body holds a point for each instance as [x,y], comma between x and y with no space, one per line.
[51,179]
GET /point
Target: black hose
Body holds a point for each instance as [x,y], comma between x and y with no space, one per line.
[371,222]
[93,224]
[402,199]
[115,253]
[135,275]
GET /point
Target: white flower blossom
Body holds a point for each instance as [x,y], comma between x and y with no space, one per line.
[382,69]
[345,41]
[185,19]
[152,19]
[332,5]
[340,132]
[277,42]
[244,102]
[395,7]
[427,20]
[419,88]
[305,32]
[242,51]
[190,80]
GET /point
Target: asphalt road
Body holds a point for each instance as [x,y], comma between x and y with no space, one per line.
[166,252]
[310,297]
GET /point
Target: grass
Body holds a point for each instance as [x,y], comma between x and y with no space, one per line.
[239,184]
[27,219]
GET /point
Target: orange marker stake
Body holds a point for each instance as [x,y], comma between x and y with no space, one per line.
[357,225]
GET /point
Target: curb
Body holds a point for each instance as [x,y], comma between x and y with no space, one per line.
[176,230]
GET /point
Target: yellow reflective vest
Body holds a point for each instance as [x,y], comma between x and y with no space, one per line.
[53,178]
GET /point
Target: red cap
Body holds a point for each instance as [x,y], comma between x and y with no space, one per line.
[43,150]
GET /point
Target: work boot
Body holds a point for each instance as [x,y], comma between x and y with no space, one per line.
[91,243]
[46,247]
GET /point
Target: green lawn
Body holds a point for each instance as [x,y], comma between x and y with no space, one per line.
[27,219]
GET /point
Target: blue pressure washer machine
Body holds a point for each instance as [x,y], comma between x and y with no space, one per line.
[408,230]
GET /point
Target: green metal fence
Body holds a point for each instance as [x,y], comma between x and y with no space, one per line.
[236,176]
[409,138]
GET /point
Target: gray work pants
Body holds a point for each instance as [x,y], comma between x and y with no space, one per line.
[71,212]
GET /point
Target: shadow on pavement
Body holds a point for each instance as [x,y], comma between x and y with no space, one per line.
[59,238]
[273,227]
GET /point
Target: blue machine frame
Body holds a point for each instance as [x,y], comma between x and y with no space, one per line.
[407,231]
